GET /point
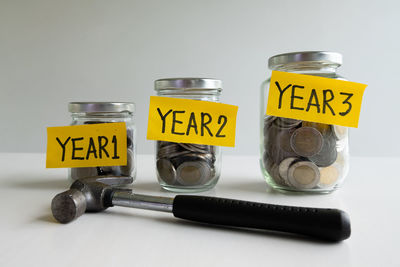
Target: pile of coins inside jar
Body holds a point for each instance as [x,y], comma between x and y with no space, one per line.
[303,155]
[182,164]
[128,170]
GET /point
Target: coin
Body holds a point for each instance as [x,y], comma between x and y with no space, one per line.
[192,173]
[340,131]
[166,150]
[329,176]
[267,160]
[129,138]
[287,123]
[128,168]
[195,148]
[283,139]
[328,153]
[192,157]
[303,175]
[274,173]
[324,129]
[306,141]
[284,167]
[166,171]
[178,154]
[268,121]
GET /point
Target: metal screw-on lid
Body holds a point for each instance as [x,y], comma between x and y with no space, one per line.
[188,83]
[77,107]
[306,56]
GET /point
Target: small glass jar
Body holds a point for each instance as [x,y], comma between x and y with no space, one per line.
[183,167]
[106,112]
[300,155]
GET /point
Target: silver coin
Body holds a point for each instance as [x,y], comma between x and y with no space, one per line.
[129,167]
[166,171]
[268,122]
[192,173]
[274,173]
[269,119]
[278,145]
[306,141]
[166,151]
[303,175]
[267,161]
[328,154]
[129,138]
[161,144]
[193,157]
[283,139]
[284,167]
[195,148]
[178,154]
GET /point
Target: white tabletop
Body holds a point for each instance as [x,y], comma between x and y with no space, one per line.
[131,237]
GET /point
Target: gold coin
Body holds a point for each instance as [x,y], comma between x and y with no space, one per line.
[328,176]
[340,131]
[324,129]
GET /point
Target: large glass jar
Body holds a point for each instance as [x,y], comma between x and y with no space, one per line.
[183,167]
[106,112]
[301,155]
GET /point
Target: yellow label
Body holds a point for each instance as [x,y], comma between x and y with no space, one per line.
[89,145]
[316,99]
[191,121]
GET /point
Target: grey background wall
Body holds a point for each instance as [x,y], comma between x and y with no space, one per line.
[53,52]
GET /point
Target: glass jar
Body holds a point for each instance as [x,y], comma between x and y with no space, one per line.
[183,167]
[301,155]
[106,112]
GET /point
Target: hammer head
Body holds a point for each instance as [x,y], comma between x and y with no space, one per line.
[88,194]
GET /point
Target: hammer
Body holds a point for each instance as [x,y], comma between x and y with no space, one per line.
[99,193]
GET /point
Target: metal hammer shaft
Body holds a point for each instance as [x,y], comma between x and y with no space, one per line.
[126,199]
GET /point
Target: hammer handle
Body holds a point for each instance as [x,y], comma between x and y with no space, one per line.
[327,224]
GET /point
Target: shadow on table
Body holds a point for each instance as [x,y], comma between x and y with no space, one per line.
[248,186]
[47,218]
[257,187]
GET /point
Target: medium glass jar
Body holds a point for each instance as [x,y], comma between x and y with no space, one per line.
[106,112]
[183,167]
[300,155]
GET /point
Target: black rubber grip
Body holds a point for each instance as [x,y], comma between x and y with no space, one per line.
[327,224]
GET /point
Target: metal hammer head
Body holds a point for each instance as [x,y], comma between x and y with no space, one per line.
[88,194]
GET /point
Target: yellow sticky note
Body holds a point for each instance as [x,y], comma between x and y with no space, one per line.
[315,99]
[89,145]
[191,121]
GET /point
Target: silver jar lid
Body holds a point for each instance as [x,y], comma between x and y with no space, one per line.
[306,56]
[92,107]
[188,83]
